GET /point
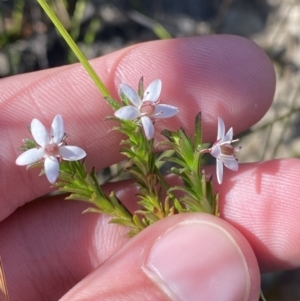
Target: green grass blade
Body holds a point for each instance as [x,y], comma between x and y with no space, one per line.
[74,47]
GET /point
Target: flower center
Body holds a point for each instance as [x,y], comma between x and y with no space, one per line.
[227,149]
[147,108]
[52,149]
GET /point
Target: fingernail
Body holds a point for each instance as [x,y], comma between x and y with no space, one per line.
[199,260]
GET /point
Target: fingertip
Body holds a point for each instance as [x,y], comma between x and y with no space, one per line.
[204,258]
[186,257]
[219,75]
[259,200]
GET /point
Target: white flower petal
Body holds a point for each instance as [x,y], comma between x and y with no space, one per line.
[51,167]
[71,153]
[164,111]
[128,113]
[221,128]
[216,150]
[131,94]
[153,91]
[228,137]
[30,156]
[57,131]
[148,127]
[219,171]
[230,162]
[39,132]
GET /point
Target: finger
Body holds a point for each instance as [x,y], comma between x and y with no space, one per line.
[52,236]
[47,246]
[186,257]
[261,201]
[58,247]
[218,75]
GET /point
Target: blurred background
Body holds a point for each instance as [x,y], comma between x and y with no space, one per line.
[29,42]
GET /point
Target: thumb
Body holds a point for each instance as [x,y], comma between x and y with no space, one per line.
[184,257]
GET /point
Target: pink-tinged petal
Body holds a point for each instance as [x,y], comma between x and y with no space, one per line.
[148,127]
[228,137]
[71,153]
[30,156]
[51,167]
[128,113]
[164,111]
[216,150]
[230,162]
[39,132]
[153,91]
[219,171]
[221,128]
[131,94]
[57,129]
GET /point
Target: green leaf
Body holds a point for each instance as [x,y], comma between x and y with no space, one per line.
[102,88]
[169,135]
[121,210]
[123,222]
[124,99]
[112,102]
[198,131]
[193,205]
[133,232]
[27,144]
[196,163]
[174,160]
[78,197]
[76,191]
[186,149]
[171,145]
[184,189]
[141,87]
[137,222]
[151,217]
[92,210]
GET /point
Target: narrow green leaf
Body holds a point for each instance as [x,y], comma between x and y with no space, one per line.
[180,188]
[121,221]
[77,52]
[141,87]
[28,144]
[151,217]
[175,160]
[92,210]
[97,187]
[198,131]
[78,197]
[186,148]
[121,210]
[137,222]
[112,102]
[168,135]
[133,232]
[77,191]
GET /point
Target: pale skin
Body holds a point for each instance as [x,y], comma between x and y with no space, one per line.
[51,251]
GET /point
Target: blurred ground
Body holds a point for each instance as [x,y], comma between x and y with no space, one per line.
[28,42]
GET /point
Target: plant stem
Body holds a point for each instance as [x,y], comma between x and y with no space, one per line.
[74,47]
[262,297]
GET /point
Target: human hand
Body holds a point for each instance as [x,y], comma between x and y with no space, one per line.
[48,247]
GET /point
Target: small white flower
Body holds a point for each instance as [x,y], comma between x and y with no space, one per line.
[51,148]
[146,108]
[223,151]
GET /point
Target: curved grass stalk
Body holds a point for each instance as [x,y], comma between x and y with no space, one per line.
[74,48]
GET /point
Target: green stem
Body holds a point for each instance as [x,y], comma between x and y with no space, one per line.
[74,47]
[262,297]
